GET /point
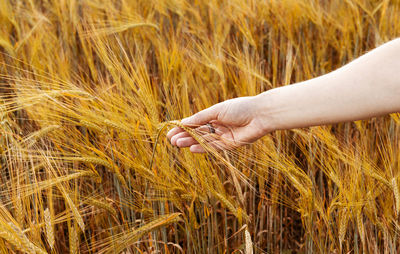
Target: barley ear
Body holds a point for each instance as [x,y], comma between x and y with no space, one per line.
[249,243]
[49,228]
[342,227]
[396,196]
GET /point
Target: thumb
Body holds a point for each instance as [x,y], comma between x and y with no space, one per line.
[202,117]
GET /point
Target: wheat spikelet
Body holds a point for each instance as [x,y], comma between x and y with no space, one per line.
[162,220]
[24,241]
[149,105]
[236,183]
[73,240]
[20,244]
[135,234]
[178,189]
[78,217]
[49,227]
[99,161]
[69,92]
[120,177]
[92,160]
[60,179]
[187,197]
[102,204]
[342,227]
[116,126]
[379,178]
[22,238]
[92,126]
[117,29]
[73,208]
[215,181]
[248,242]
[11,238]
[30,140]
[226,203]
[360,227]
[396,195]
[18,209]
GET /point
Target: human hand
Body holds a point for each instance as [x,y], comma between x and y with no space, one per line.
[234,122]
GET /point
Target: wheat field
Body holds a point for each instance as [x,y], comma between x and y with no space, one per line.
[88,89]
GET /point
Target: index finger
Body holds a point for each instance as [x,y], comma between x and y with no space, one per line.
[174,131]
[202,117]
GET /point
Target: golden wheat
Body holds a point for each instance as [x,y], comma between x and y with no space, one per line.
[89,88]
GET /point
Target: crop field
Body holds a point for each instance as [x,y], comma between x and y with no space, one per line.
[89,88]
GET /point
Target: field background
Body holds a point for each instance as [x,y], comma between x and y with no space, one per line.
[86,87]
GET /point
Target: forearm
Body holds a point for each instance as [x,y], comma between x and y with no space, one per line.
[369,86]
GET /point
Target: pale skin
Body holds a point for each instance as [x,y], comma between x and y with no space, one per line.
[366,87]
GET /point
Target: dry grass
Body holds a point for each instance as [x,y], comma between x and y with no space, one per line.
[86,88]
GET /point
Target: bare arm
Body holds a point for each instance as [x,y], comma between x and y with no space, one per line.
[369,86]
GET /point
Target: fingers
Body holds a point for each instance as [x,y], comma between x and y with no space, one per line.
[173,132]
[209,132]
[186,142]
[183,139]
[177,137]
[203,117]
[176,134]
[197,149]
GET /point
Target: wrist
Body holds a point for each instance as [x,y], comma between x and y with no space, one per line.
[267,110]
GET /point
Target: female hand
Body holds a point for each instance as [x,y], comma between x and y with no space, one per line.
[234,122]
[341,95]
